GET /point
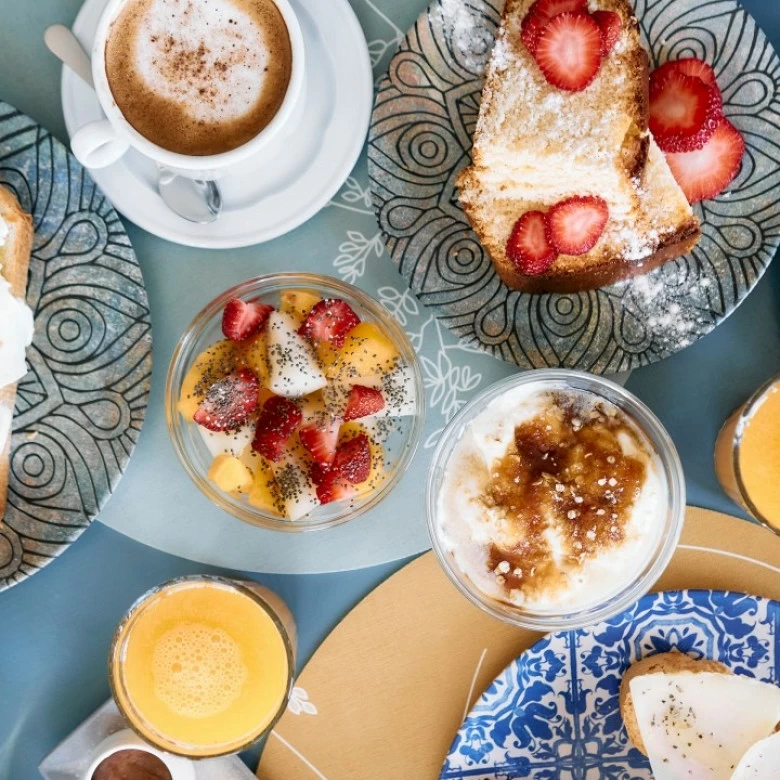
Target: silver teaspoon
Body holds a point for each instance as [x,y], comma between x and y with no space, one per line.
[192,199]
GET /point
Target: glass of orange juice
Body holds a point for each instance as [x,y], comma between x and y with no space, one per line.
[203,666]
[747,455]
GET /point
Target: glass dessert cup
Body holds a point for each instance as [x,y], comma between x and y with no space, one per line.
[261,636]
[730,453]
[205,330]
[672,501]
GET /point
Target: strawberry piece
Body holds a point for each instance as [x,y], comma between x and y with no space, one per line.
[353,459]
[329,321]
[684,111]
[362,402]
[275,425]
[690,66]
[320,441]
[611,25]
[706,172]
[568,51]
[529,246]
[576,224]
[335,488]
[243,319]
[541,12]
[229,402]
[318,473]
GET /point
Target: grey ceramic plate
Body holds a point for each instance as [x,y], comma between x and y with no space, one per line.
[80,408]
[421,129]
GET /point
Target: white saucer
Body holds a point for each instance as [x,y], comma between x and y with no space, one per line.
[288,181]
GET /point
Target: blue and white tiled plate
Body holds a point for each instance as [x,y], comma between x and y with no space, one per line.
[553,713]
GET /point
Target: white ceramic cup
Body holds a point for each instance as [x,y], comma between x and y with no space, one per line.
[101,143]
[180,768]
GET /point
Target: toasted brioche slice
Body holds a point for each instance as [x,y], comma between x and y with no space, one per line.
[662,663]
[535,145]
[637,238]
[14,264]
[554,142]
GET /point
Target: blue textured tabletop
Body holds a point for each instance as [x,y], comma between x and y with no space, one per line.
[57,626]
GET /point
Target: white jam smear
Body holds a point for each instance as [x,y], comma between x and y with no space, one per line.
[467,527]
[209,58]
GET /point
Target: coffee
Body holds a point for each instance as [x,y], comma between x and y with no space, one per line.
[131,765]
[199,77]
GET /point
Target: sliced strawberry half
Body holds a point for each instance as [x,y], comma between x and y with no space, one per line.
[335,487]
[243,319]
[529,246]
[362,402]
[576,224]
[229,402]
[275,425]
[568,51]
[318,473]
[320,441]
[353,459]
[611,25]
[684,111]
[329,321]
[541,12]
[690,66]
[706,172]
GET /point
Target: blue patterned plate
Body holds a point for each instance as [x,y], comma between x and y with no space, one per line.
[80,408]
[553,713]
[420,139]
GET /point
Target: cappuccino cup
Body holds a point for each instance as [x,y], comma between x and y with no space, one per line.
[125,755]
[197,87]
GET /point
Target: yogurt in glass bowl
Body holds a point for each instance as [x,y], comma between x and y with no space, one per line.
[555,499]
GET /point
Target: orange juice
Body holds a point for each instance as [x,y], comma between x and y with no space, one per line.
[747,455]
[203,666]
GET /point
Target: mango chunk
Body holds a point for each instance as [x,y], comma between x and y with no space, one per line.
[297,303]
[212,364]
[230,475]
[264,493]
[367,350]
[254,355]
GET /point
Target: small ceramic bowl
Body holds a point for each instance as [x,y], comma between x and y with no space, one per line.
[205,330]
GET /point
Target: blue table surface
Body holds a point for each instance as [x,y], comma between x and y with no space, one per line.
[55,629]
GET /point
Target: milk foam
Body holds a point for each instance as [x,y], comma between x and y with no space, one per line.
[210,58]
[198,670]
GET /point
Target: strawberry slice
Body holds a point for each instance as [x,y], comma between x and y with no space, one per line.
[353,459]
[275,425]
[541,12]
[684,111]
[690,66]
[611,25]
[335,487]
[243,319]
[529,246]
[576,224]
[229,402]
[568,51]
[362,402]
[318,473]
[320,441]
[706,172]
[329,321]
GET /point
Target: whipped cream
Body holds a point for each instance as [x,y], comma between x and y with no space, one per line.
[572,574]
[16,333]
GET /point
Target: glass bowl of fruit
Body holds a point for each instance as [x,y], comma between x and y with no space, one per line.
[295,401]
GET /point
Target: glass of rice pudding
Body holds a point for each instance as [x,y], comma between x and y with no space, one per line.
[555,499]
[747,455]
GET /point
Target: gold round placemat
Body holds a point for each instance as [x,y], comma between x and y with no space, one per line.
[385,693]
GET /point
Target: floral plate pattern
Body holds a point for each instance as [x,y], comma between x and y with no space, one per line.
[553,713]
[80,408]
[420,139]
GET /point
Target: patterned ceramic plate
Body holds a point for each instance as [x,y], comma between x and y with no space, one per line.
[80,408]
[553,713]
[421,130]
